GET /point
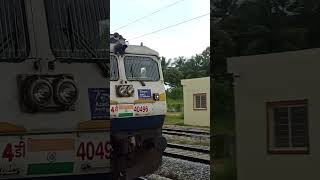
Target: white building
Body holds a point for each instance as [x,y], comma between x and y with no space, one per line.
[196,100]
[277,115]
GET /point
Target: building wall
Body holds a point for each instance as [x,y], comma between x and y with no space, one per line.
[274,77]
[191,87]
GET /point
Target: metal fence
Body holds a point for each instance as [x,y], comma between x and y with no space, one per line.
[78,29]
[14,42]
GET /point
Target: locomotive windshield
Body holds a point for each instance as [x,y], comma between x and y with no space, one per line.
[14,43]
[141,68]
[78,29]
[114,73]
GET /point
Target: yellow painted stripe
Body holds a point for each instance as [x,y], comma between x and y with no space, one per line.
[141,101]
[114,102]
[37,145]
[126,106]
[163,97]
[11,128]
[94,124]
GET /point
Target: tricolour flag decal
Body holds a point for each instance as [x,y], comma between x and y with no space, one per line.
[126,114]
[50,156]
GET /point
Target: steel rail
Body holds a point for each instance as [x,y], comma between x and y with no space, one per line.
[187,131]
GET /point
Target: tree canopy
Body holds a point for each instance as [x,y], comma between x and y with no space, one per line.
[248,27]
[186,68]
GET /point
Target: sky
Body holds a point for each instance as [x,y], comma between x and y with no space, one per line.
[186,40]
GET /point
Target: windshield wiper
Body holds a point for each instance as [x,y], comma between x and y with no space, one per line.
[142,82]
[81,40]
[5,44]
[131,73]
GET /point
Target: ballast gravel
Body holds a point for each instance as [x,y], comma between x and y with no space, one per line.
[177,169]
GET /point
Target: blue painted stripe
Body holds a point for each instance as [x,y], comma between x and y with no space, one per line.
[132,123]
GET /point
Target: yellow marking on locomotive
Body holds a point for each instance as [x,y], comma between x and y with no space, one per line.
[126,106]
[162,97]
[142,101]
[94,124]
[114,102]
[11,128]
[37,145]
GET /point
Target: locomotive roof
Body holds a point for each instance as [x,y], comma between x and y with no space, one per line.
[131,49]
[136,49]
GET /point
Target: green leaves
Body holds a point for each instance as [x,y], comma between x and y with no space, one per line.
[267,26]
[182,68]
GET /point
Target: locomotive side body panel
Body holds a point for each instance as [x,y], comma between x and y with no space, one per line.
[53,121]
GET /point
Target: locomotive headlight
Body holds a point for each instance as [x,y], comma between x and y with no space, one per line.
[38,93]
[125,90]
[66,92]
[122,91]
[156,96]
[42,93]
[130,90]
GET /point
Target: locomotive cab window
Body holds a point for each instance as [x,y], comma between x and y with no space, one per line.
[14,42]
[141,68]
[114,72]
[78,29]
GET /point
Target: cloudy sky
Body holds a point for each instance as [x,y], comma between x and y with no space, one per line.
[183,40]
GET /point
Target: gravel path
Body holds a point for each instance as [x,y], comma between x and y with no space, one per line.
[177,169]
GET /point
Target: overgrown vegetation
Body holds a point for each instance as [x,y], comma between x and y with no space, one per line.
[174,119]
[184,68]
[175,105]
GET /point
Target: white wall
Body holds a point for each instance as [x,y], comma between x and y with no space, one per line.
[195,86]
[274,77]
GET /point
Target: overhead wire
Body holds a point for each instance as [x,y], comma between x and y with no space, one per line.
[139,19]
[170,26]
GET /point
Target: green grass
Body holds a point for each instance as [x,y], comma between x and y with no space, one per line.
[175,101]
[177,118]
[174,119]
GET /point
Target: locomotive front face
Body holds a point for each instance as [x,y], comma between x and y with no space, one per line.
[137,109]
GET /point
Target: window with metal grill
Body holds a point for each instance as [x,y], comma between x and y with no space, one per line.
[200,101]
[79,29]
[140,68]
[288,127]
[14,37]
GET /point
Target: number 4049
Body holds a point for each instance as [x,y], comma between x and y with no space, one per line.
[89,150]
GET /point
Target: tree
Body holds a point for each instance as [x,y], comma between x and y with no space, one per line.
[186,68]
[172,77]
[266,26]
[165,63]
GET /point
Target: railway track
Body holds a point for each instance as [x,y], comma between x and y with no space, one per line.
[188,153]
[186,133]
